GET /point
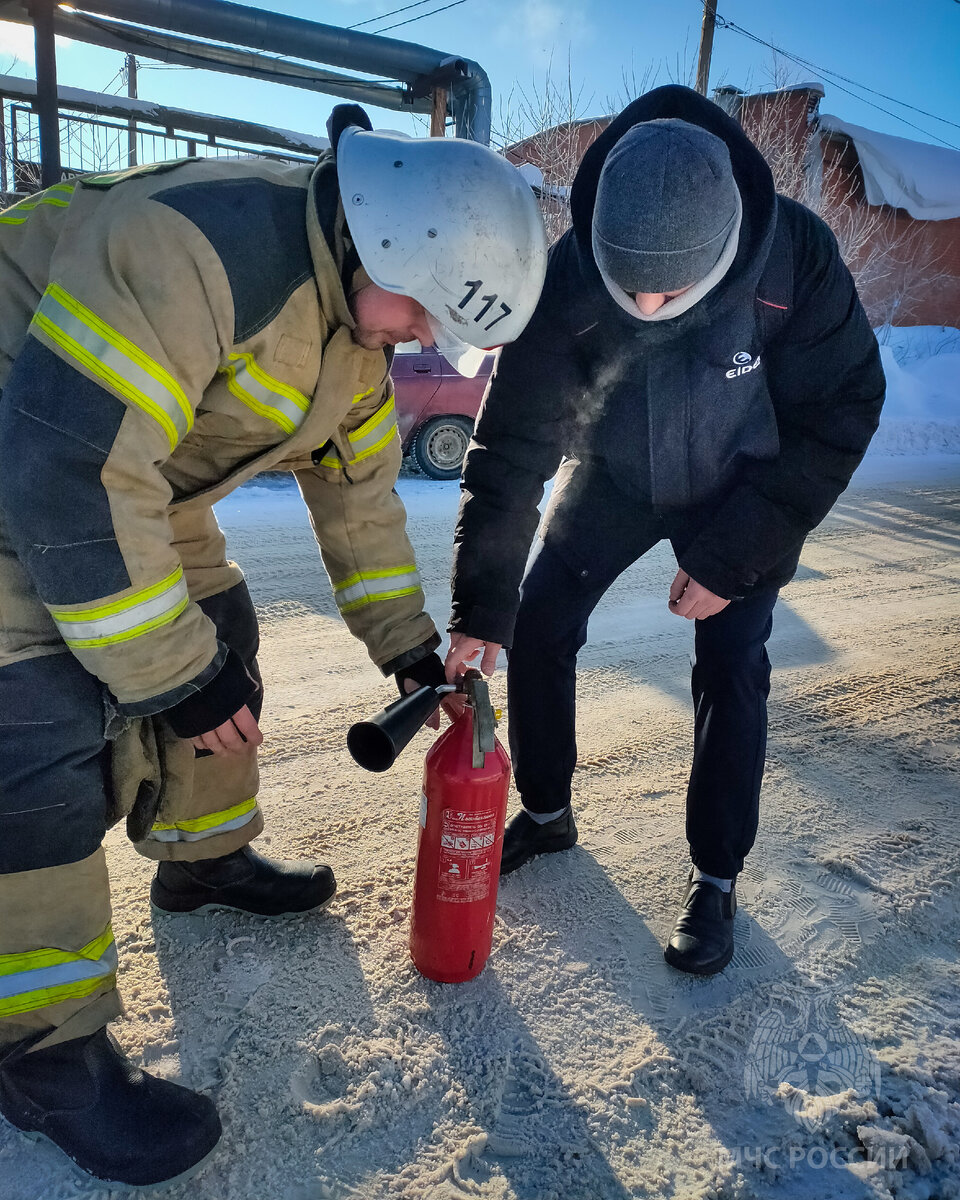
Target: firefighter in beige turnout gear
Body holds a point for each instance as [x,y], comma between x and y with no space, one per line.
[165,334]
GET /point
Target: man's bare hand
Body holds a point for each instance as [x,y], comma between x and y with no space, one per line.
[463,653]
[233,736]
[692,600]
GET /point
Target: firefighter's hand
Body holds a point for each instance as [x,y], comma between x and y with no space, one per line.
[692,600]
[463,652]
[233,736]
[433,721]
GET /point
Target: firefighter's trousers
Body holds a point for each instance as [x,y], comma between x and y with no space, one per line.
[63,782]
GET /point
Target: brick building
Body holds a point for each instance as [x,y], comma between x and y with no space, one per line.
[893,203]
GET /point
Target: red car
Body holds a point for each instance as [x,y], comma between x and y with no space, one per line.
[436,408]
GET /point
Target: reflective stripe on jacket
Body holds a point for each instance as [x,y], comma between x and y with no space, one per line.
[166,334]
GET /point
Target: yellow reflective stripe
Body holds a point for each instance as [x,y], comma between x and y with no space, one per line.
[367,587]
[28,205]
[123,620]
[383,573]
[211,820]
[32,960]
[370,438]
[46,997]
[40,978]
[110,356]
[264,395]
[128,634]
[377,446]
[407,591]
[118,606]
[363,395]
[383,413]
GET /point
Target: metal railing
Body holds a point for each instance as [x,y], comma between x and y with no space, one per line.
[92,144]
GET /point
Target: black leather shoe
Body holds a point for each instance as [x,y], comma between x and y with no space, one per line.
[702,938]
[244,881]
[524,839]
[115,1122]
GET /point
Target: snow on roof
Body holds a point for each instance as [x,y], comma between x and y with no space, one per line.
[923,179]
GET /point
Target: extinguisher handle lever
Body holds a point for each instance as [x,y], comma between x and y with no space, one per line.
[484,718]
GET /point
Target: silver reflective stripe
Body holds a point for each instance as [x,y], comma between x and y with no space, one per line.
[374,434]
[264,395]
[61,974]
[115,360]
[124,620]
[367,586]
[371,437]
[177,834]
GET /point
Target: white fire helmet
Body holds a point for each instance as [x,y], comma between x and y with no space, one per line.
[453,225]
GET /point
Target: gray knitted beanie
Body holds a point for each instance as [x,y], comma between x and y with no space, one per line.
[666,205]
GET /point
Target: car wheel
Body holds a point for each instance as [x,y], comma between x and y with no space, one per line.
[440,445]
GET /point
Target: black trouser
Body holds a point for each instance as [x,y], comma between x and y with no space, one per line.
[731,681]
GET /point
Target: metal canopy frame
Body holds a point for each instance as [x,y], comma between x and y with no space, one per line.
[412,77]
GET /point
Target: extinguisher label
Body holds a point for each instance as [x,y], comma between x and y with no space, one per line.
[467,841]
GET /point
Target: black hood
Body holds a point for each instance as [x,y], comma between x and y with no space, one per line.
[754,182]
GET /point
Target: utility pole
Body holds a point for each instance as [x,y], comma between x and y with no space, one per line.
[706,45]
[131,124]
[48,107]
[438,115]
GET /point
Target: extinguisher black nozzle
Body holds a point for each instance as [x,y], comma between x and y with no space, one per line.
[371,746]
[375,744]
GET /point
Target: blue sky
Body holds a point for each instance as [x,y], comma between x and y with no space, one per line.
[907,52]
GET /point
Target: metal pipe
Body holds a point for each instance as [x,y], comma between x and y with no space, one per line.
[471,101]
[48,113]
[132,124]
[167,48]
[220,20]
[223,21]
[3,144]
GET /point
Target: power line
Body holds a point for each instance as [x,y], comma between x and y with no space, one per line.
[803,62]
[410,20]
[834,76]
[393,12]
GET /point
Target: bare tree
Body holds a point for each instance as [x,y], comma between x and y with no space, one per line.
[549,123]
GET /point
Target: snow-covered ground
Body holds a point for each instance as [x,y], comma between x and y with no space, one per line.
[922,410]
[823,1063]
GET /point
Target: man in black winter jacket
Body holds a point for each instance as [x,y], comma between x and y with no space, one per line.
[702,364]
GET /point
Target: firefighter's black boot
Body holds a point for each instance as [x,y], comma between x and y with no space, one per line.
[115,1122]
[524,839]
[702,939]
[244,881]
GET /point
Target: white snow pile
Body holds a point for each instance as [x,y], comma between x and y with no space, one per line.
[923,179]
[921,414]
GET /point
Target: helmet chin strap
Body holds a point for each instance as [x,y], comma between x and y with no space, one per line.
[464,358]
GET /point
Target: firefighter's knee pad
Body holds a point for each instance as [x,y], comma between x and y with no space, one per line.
[53,762]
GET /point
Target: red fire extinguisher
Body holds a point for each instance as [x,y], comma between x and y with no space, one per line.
[463,808]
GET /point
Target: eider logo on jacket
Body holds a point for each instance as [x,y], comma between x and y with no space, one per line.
[743,364]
